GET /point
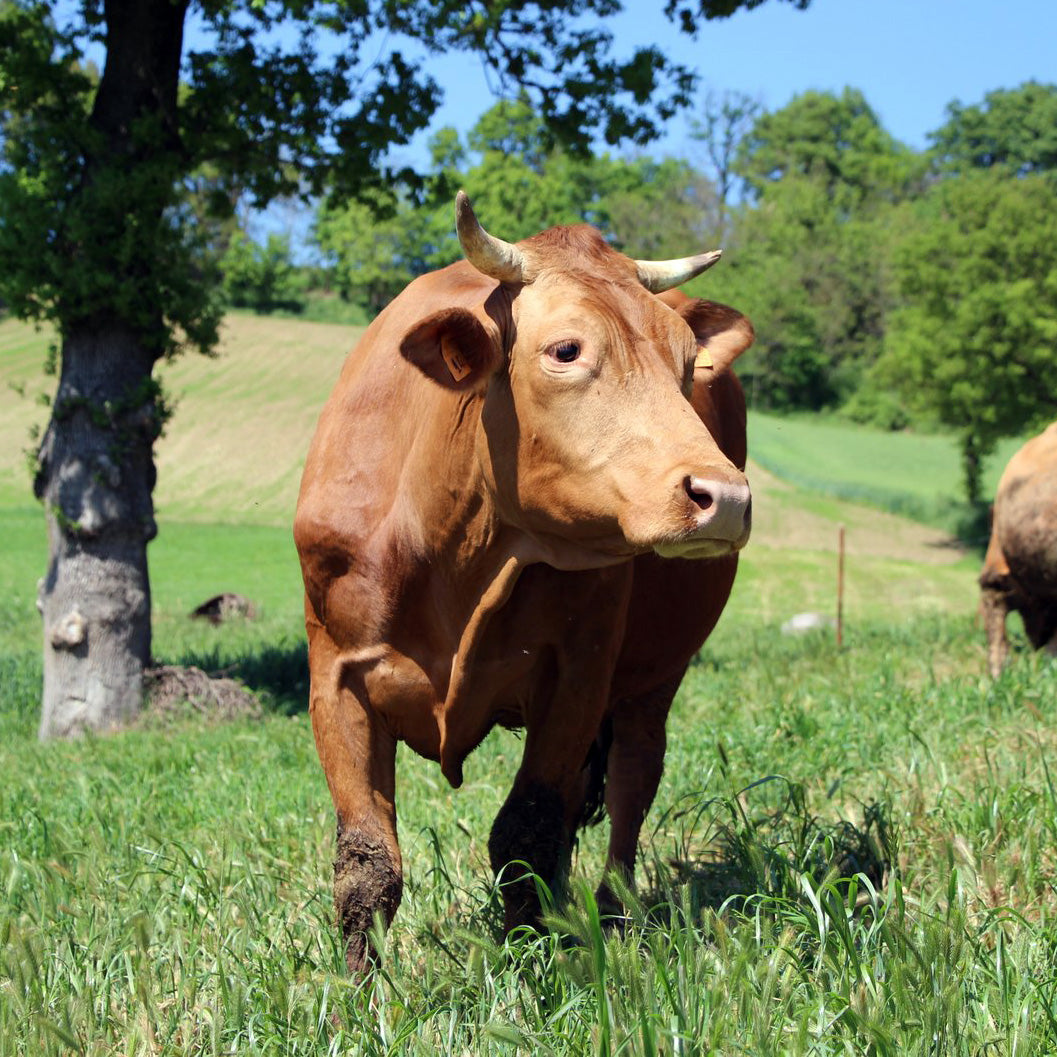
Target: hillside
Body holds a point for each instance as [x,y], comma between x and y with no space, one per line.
[234,449]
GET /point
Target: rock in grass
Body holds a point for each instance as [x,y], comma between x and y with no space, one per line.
[223,607]
[803,622]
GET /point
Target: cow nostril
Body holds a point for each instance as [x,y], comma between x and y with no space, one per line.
[699,495]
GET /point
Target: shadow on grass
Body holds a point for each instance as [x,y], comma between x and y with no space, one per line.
[278,675]
[730,854]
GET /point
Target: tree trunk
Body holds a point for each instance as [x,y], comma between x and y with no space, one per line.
[971,468]
[96,463]
[95,478]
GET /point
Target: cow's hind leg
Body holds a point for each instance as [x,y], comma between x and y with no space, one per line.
[634,766]
[530,838]
[358,757]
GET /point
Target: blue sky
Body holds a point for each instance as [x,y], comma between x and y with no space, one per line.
[910,58]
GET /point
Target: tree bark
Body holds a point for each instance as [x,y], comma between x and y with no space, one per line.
[971,468]
[96,463]
[96,478]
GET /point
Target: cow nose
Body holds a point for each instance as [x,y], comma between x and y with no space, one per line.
[724,508]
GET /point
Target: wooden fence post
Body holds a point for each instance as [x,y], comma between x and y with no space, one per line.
[840,587]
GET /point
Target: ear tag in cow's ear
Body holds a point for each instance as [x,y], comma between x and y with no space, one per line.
[703,358]
[458,367]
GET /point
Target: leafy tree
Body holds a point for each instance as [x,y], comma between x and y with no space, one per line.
[786,263]
[726,119]
[263,278]
[974,340]
[1015,129]
[95,236]
[809,247]
[520,178]
[835,141]
[657,209]
[515,174]
[522,183]
[371,251]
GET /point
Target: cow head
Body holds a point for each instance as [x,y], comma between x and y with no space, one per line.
[589,442]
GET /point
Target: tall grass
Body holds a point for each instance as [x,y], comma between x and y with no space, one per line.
[852,852]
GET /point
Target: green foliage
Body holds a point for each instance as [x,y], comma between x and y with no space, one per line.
[808,253]
[813,284]
[834,141]
[520,183]
[655,210]
[1013,129]
[263,278]
[975,335]
[117,183]
[64,180]
[370,258]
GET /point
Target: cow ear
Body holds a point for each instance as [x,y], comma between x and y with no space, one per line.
[722,332]
[454,348]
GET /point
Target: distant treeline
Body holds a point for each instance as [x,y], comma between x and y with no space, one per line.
[898,287]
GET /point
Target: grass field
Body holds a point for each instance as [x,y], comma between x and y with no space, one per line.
[167,890]
[918,476]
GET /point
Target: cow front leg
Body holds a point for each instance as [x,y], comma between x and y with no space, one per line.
[359,760]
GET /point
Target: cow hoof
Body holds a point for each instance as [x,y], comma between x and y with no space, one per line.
[367,882]
[526,843]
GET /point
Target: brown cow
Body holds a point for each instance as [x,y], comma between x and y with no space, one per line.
[1020,568]
[511,448]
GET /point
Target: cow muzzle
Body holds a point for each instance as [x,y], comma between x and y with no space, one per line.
[717,514]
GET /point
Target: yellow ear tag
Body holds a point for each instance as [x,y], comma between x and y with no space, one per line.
[458,367]
[703,358]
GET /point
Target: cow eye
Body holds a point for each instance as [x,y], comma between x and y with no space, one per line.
[566,352]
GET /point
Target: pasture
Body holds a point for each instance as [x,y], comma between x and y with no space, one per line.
[852,852]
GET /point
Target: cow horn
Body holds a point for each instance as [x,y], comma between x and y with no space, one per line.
[658,276]
[494,257]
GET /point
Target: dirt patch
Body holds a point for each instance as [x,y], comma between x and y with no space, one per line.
[173,694]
